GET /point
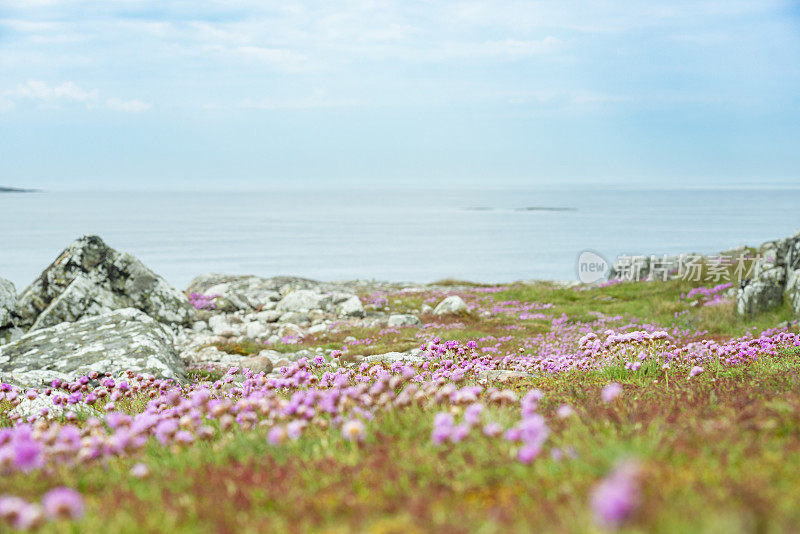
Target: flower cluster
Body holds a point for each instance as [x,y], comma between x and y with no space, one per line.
[57,504]
[203,302]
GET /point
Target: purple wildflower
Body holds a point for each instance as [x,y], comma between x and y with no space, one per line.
[610,392]
[63,503]
[696,370]
[615,498]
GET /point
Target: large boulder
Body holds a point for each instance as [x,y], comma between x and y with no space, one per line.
[774,278]
[792,292]
[114,342]
[90,278]
[9,313]
[8,303]
[761,293]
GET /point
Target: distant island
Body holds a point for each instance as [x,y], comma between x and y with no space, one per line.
[545,208]
[16,190]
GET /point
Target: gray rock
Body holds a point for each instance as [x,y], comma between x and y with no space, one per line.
[501,375]
[9,334]
[389,357]
[269,316]
[399,320]
[89,278]
[219,324]
[452,305]
[303,300]
[36,407]
[792,291]
[81,298]
[8,303]
[256,330]
[294,317]
[762,293]
[257,364]
[200,326]
[214,356]
[246,293]
[115,342]
[290,330]
[316,316]
[774,277]
[317,328]
[351,307]
[425,309]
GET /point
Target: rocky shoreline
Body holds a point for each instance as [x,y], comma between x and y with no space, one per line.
[97,310]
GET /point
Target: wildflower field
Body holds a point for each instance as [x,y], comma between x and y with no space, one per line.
[633,407]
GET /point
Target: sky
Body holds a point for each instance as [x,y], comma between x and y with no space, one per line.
[155,94]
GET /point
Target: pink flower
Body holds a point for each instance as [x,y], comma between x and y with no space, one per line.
[63,503]
[10,506]
[492,430]
[277,435]
[610,392]
[564,411]
[28,517]
[615,498]
[460,432]
[295,429]
[27,454]
[696,370]
[528,452]
[140,470]
[443,425]
[472,414]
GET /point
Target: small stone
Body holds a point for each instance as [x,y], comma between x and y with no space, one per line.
[255,330]
[268,316]
[316,316]
[317,328]
[290,330]
[501,375]
[400,320]
[294,317]
[257,364]
[453,305]
[218,324]
[351,307]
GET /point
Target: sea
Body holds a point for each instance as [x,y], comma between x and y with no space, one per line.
[409,235]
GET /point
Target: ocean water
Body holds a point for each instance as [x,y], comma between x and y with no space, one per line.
[408,235]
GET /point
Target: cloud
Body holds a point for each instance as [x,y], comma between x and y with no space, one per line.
[39,90]
[132,106]
[65,93]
